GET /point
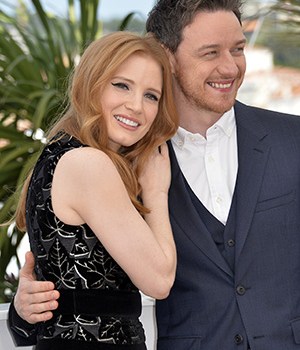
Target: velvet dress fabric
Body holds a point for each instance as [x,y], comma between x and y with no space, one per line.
[99,307]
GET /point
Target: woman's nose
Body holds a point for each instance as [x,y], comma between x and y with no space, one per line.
[134,104]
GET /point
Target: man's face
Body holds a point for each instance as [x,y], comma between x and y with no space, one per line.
[209,64]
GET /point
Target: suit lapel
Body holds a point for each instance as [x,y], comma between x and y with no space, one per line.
[184,214]
[253,152]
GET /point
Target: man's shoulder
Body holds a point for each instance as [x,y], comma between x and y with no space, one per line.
[266,116]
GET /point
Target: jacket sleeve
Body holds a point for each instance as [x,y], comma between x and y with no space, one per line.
[22,332]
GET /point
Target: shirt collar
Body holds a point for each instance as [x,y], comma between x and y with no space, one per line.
[226,123]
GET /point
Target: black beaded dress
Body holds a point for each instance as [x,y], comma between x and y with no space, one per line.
[99,307]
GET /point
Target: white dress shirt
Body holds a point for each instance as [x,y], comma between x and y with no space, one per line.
[210,164]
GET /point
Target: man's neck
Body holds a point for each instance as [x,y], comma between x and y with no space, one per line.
[197,121]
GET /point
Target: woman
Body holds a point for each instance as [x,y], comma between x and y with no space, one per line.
[96,207]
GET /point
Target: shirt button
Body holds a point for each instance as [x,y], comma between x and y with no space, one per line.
[238,338]
[211,159]
[241,290]
[231,242]
[219,200]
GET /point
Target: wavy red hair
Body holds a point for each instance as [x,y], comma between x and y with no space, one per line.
[84,118]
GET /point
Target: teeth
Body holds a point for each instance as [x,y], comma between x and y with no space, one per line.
[220,86]
[126,121]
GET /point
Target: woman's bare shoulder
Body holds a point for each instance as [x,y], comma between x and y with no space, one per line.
[86,157]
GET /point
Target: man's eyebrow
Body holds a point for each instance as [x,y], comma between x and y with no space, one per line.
[206,47]
[216,46]
[240,42]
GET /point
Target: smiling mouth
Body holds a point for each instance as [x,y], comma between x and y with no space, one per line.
[220,85]
[126,121]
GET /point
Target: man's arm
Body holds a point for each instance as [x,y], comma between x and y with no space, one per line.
[22,332]
[32,303]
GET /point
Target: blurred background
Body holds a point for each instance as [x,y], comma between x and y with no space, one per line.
[41,40]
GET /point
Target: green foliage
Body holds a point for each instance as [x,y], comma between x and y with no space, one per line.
[281,32]
[135,24]
[37,53]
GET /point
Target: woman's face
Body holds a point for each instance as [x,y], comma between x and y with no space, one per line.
[130,100]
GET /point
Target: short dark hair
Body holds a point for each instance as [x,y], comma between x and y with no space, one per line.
[168,18]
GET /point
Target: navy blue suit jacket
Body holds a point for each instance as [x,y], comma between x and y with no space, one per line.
[256,302]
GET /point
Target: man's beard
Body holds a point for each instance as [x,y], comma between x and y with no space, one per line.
[202,101]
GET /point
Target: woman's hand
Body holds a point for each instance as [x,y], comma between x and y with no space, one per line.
[155,177]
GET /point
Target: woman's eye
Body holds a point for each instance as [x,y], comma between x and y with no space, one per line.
[152,97]
[120,85]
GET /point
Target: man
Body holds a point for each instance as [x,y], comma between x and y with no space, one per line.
[234,198]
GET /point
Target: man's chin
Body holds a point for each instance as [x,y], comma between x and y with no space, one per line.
[222,109]
[225,106]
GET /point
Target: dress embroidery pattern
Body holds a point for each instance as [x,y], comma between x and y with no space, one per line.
[74,259]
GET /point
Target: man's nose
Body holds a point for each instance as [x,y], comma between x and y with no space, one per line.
[228,66]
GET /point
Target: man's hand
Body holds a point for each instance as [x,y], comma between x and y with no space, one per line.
[34,299]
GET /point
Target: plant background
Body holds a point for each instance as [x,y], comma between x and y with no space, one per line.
[37,53]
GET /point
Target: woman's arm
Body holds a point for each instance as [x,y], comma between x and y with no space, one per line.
[144,248]
[87,188]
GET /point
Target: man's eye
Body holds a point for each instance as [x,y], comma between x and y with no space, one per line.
[152,97]
[120,85]
[239,50]
[211,53]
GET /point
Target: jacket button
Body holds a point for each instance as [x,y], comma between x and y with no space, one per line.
[241,290]
[238,338]
[231,242]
